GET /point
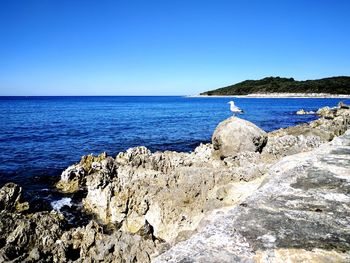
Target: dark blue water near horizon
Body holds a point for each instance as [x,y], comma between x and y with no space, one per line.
[41,136]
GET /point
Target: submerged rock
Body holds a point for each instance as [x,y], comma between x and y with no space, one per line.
[236,135]
[304,112]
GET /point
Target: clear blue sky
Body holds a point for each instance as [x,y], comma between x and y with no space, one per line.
[68,47]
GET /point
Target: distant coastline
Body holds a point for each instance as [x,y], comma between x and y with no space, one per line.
[289,87]
[276,95]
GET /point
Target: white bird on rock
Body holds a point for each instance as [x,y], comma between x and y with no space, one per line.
[234,108]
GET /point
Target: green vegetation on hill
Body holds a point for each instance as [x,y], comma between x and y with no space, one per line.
[334,85]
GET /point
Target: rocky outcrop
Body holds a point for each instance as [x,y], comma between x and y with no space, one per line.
[300,214]
[73,177]
[45,237]
[305,137]
[170,191]
[236,135]
[173,192]
[11,198]
[91,244]
[29,237]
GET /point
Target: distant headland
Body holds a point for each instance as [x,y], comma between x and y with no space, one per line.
[286,87]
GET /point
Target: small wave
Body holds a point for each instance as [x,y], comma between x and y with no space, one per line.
[65,201]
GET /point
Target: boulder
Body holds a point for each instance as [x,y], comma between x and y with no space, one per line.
[71,179]
[236,135]
[89,161]
[327,112]
[10,197]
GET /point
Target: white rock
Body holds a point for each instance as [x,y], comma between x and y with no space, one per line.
[236,135]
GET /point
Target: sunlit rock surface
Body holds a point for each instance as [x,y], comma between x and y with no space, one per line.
[11,198]
[299,214]
[236,135]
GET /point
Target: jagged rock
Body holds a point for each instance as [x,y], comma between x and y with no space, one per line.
[10,198]
[26,238]
[136,156]
[90,244]
[204,151]
[326,112]
[87,161]
[169,191]
[73,178]
[280,146]
[236,135]
[306,137]
[299,214]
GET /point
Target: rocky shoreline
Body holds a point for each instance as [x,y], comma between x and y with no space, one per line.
[250,196]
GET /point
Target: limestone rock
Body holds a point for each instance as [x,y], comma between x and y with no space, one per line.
[305,137]
[10,198]
[236,135]
[71,179]
[87,161]
[171,192]
[281,146]
[26,238]
[90,244]
[299,214]
[326,112]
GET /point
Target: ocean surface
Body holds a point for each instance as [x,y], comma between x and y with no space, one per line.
[41,136]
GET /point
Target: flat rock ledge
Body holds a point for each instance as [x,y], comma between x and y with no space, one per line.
[299,214]
[284,197]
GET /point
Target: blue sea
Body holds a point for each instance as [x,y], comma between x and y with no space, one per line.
[41,136]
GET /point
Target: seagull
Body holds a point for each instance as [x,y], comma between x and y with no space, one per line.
[234,108]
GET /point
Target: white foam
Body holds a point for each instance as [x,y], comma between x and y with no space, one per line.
[57,205]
